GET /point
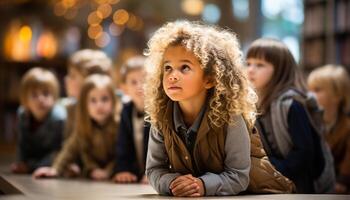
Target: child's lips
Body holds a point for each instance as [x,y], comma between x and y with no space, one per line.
[174,88]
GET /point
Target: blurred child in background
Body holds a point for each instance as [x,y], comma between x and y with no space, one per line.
[80,65]
[286,132]
[40,121]
[331,85]
[133,133]
[95,131]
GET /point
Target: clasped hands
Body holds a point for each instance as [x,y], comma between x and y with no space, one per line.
[187,186]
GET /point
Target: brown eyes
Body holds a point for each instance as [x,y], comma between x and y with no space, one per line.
[256,65]
[167,68]
[103,99]
[183,68]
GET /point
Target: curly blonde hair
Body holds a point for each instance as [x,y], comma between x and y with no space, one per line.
[218,52]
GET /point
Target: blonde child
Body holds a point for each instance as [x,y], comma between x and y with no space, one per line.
[331,85]
[133,134]
[95,131]
[200,107]
[40,121]
[289,139]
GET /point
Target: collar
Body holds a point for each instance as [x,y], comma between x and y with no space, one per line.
[179,123]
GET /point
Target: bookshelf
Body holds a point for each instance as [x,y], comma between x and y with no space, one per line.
[326,33]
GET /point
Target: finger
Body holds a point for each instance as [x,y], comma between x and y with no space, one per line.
[195,195]
[184,187]
[119,179]
[190,191]
[115,179]
[122,179]
[128,179]
[175,182]
[40,173]
[179,180]
[37,174]
[132,178]
[190,176]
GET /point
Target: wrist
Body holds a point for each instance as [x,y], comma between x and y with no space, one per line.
[202,186]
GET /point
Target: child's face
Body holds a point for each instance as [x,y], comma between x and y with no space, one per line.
[325,97]
[40,102]
[183,78]
[99,104]
[73,82]
[259,72]
[134,87]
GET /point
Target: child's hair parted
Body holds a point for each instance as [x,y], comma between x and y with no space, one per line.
[335,79]
[90,61]
[38,78]
[84,122]
[286,73]
[219,54]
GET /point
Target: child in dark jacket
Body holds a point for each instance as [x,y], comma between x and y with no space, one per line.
[274,73]
[133,131]
[41,121]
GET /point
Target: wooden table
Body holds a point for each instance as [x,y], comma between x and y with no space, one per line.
[18,187]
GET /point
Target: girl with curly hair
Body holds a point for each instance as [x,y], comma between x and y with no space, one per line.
[201,109]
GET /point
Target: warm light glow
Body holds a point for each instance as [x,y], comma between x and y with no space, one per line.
[71,13]
[95,18]
[95,31]
[101,1]
[103,40]
[120,17]
[59,9]
[68,3]
[25,34]
[47,45]
[116,30]
[18,42]
[192,7]
[132,22]
[140,24]
[135,23]
[105,10]
[113,1]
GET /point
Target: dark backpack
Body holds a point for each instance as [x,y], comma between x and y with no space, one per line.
[324,178]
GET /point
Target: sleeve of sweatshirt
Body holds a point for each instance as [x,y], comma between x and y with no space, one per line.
[157,167]
[235,177]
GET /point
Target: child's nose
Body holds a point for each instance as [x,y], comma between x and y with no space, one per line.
[250,69]
[173,77]
[41,98]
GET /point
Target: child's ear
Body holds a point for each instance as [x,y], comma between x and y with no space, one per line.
[209,82]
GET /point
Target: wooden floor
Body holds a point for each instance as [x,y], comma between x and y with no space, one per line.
[19,187]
